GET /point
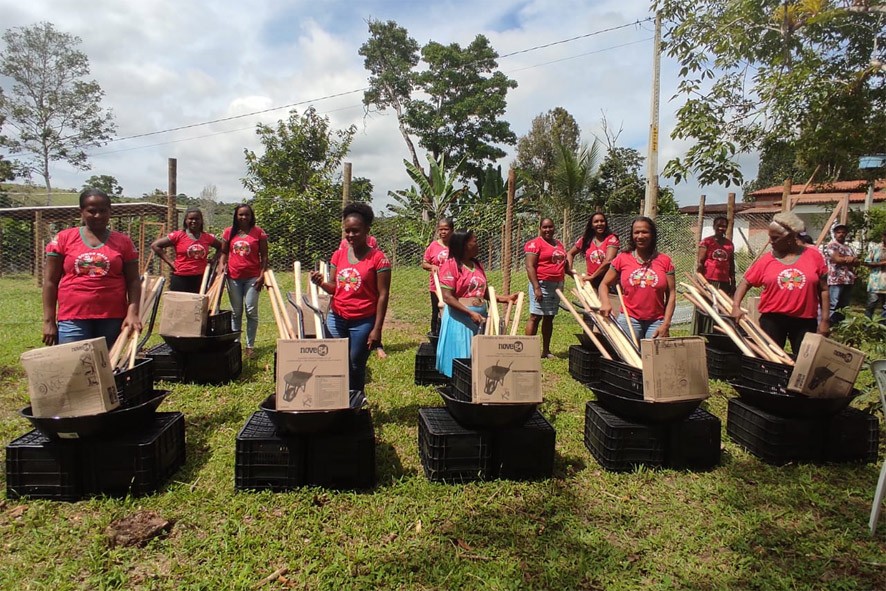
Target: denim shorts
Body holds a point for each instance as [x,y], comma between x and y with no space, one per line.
[550,301]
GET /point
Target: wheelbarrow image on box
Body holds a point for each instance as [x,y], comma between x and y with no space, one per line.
[296,381]
[495,375]
[821,375]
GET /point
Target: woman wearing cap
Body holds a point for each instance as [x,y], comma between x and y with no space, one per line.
[192,246]
[795,288]
[546,267]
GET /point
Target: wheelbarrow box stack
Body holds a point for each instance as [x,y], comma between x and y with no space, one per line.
[203,367]
[451,452]
[312,374]
[825,368]
[342,457]
[505,369]
[426,373]
[183,314]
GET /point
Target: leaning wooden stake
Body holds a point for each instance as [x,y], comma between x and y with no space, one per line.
[493,312]
[584,326]
[624,310]
[438,290]
[281,327]
[517,311]
[727,328]
[315,301]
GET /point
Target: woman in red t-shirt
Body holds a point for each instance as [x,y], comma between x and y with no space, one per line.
[715,260]
[91,274]
[647,279]
[245,256]
[435,255]
[794,278]
[465,293]
[546,267]
[360,291]
[192,246]
[598,245]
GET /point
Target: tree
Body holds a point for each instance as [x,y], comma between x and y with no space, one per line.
[571,178]
[293,184]
[55,111]
[361,189]
[805,72]
[453,105]
[106,183]
[536,151]
[619,187]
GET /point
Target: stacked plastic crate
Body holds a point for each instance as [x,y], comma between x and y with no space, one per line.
[426,373]
[213,359]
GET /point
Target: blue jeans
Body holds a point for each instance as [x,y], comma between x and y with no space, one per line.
[242,291]
[876,300]
[643,329]
[839,296]
[70,331]
[356,331]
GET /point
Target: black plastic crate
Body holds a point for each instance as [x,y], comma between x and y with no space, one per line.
[852,436]
[766,375]
[136,385]
[135,463]
[620,445]
[461,380]
[40,468]
[448,451]
[168,364]
[220,324]
[265,461]
[213,368]
[343,459]
[775,440]
[426,373]
[525,452]
[584,365]
[621,375]
[724,357]
[694,443]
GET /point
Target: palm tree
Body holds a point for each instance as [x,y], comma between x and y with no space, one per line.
[571,179]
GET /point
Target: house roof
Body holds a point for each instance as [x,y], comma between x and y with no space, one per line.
[841,187]
[717,208]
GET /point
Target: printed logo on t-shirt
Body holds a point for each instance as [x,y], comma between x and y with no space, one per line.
[791,279]
[349,279]
[720,255]
[558,256]
[196,251]
[94,264]
[475,287]
[643,277]
[597,256]
[442,256]
[241,247]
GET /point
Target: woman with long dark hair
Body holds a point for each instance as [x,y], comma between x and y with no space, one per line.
[192,246]
[647,279]
[465,293]
[92,275]
[598,245]
[435,255]
[245,255]
[360,289]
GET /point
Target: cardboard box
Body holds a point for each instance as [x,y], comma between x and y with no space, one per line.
[312,374]
[505,369]
[183,314]
[825,368]
[674,368]
[71,380]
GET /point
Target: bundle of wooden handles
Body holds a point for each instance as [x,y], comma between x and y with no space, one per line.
[129,339]
[494,325]
[213,286]
[285,327]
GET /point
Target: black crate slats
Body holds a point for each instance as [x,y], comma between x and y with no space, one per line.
[584,365]
[426,373]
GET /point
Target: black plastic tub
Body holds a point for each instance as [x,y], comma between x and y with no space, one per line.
[790,405]
[630,406]
[312,421]
[486,416]
[120,420]
[219,324]
[207,344]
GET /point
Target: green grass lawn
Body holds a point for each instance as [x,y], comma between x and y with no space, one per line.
[743,525]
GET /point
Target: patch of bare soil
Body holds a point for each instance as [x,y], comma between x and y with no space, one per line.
[137,529]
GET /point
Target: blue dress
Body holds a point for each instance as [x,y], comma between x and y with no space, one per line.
[456,330]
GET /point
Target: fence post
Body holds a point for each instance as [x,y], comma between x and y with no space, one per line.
[345,189]
[786,194]
[844,213]
[171,192]
[38,251]
[509,222]
[730,215]
[700,224]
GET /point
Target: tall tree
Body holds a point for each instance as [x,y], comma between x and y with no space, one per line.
[361,189]
[537,152]
[106,183]
[571,178]
[805,72]
[453,105]
[293,184]
[55,111]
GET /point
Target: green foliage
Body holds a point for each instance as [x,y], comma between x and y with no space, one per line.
[537,152]
[55,112]
[619,185]
[859,331]
[104,182]
[755,74]
[453,104]
[361,189]
[293,185]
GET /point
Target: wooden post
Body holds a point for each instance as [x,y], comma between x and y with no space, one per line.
[345,189]
[171,192]
[844,213]
[509,223]
[1,248]
[38,247]
[786,194]
[730,215]
[142,255]
[700,227]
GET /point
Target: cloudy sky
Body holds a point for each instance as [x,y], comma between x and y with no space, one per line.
[167,64]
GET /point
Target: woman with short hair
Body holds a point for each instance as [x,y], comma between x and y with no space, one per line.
[191,246]
[546,267]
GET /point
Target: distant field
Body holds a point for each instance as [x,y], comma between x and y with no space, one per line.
[29,195]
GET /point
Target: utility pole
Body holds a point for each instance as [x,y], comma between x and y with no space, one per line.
[651,202]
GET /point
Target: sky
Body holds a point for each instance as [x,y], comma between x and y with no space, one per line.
[166,65]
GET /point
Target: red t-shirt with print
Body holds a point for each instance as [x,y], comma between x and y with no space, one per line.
[244,261]
[789,289]
[595,253]
[464,281]
[435,254]
[718,259]
[92,285]
[645,287]
[551,258]
[190,254]
[356,284]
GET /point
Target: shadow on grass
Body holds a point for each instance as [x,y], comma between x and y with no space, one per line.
[402,415]
[389,468]
[198,431]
